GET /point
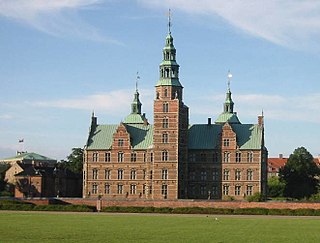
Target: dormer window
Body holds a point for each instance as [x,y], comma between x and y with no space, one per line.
[120,142]
[226,142]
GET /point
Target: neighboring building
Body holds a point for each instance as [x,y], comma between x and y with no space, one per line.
[25,158]
[35,175]
[275,164]
[35,181]
[172,159]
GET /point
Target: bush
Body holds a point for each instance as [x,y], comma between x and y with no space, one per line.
[315,197]
[251,211]
[228,198]
[257,197]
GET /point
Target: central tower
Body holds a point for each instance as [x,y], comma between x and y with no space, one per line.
[170,129]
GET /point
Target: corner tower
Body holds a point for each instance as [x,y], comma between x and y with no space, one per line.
[170,128]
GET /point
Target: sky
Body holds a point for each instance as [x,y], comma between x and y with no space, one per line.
[62,59]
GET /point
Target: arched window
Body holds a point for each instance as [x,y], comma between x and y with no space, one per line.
[226,174]
[120,174]
[165,107]
[165,92]
[165,122]
[237,175]
[133,174]
[165,138]
[164,174]
[226,157]
[165,155]
[249,175]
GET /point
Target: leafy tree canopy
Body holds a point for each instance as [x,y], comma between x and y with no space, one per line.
[74,160]
[275,187]
[300,174]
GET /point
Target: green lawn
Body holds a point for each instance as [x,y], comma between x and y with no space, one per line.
[94,227]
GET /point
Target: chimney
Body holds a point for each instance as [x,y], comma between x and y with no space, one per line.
[209,121]
[280,156]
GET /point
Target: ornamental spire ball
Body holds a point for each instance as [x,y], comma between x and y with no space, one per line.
[229,79]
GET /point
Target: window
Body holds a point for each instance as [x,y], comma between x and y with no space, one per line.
[226,174]
[203,157]
[150,189]
[226,190]
[107,174]
[144,189]
[133,189]
[165,122]
[150,174]
[95,174]
[165,107]
[107,189]
[165,137]
[249,190]
[164,174]
[192,157]
[215,157]
[165,155]
[237,175]
[226,142]
[120,142]
[165,93]
[214,191]
[144,157]
[120,188]
[95,157]
[120,174]
[203,175]
[192,175]
[237,190]
[249,175]
[250,156]
[192,190]
[151,157]
[226,157]
[164,191]
[94,189]
[133,175]
[120,157]
[215,175]
[203,190]
[144,174]
[107,157]
[133,157]
[238,157]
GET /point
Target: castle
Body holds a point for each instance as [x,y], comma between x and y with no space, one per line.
[172,159]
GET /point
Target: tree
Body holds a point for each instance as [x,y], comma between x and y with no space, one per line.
[75,160]
[275,187]
[300,175]
[3,182]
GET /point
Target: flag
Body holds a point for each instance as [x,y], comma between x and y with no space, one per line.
[21,140]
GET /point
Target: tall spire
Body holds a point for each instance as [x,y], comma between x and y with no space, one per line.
[169,68]
[136,104]
[228,105]
[169,21]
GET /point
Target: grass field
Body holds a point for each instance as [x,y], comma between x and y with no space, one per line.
[94,227]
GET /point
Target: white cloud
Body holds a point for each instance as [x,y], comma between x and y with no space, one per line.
[115,102]
[6,117]
[291,23]
[55,17]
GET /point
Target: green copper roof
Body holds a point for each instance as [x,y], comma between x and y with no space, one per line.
[203,136]
[134,118]
[227,117]
[169,63]
[29,156]
[141,136]
[169,82]
[249,136]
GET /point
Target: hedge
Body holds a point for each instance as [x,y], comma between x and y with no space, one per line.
[227,211]
[24,206]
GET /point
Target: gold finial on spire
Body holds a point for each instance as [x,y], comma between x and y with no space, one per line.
[137,79]
[229,79]
[169,21]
